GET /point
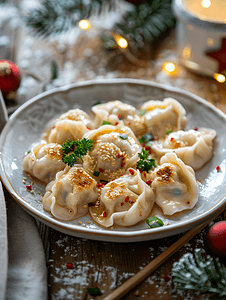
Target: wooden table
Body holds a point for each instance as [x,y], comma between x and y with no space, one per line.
[102,264]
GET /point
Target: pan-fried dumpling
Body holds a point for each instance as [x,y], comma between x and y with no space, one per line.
[44,161]
[194,147]
[67,197]
[67,129]
[117,112]
[124,201]
[174,185]
[161,116]
[114,150]
[76,115]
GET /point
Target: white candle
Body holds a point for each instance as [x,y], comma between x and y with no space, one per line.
[201,30]
[209,10]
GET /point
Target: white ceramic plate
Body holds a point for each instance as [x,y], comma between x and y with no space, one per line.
[26,124]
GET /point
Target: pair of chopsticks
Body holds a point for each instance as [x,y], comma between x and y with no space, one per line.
[158,261]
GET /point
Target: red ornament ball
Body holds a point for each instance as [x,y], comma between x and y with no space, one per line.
[9,77]
[216,239]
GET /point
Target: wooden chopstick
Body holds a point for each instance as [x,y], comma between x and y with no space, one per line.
[158,261]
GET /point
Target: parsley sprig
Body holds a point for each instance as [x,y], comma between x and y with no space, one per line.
[203,276]
[74,150]
[145,163]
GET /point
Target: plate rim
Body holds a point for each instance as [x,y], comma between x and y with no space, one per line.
[73,229]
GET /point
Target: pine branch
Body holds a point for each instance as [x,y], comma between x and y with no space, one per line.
[147,21]
[54,17]
[194,273]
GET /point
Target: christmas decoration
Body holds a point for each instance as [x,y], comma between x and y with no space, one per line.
[9,77]
[216,239]
[202,276]
[220,56]
[144,22]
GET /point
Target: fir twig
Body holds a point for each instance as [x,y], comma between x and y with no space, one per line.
[54,17]
[203,276]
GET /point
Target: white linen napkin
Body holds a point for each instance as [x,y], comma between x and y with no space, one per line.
[3,245]
[27,272]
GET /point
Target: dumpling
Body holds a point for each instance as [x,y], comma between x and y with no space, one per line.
[117,112]
[194,147]
[174,185]
[67,197]
[114,150]
[76,115]
[124,201]
[70,125]
[44,161]
[67,129]
[161,116]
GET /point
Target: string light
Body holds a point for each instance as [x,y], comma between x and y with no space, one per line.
[84,24]
[121,42]
[219,77]
[169,68]
[205,3]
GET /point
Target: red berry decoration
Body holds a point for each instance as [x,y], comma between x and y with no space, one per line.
[9,77]
[216,239]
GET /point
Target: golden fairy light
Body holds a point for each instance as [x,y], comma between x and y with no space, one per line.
[205,3]
[121,42]
[219,77]
[84,24]
[169,68]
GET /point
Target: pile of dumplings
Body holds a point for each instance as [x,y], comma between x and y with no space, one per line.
[107,183]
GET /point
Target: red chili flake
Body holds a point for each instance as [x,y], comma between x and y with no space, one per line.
[28,187]
[53,127]
[101,170]
[218,168]
[122,164]
[127,199]
[116,123]
[145,174]
[148,149]
[155,139]
[120,155]
[119,116]
[131,171]
[143,144]
[167,278]
[149,182]
[69,266]
[122,204]
[131,202]
[99,184]
[129,123]
[87,127]
[140,170]
[104,214]
[195,128]
[171,139]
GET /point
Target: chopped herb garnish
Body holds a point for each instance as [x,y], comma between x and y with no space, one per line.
[148,144]
[123,136]
[97,103]
[96,173]
[90,204]
[106,123]
[28,151]
[94,291]
[146,138]
[103,181]
[154,222]
[142,112]
[168,131]
[145,163]
[75,150]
